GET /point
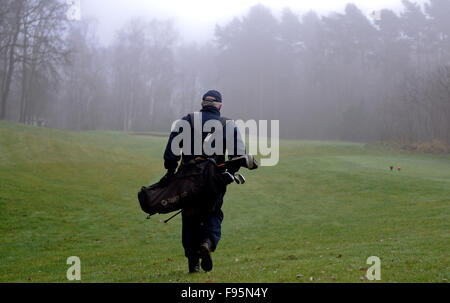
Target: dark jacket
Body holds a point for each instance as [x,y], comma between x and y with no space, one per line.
[208,113]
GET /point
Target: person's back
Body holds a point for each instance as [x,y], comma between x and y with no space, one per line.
[201,233]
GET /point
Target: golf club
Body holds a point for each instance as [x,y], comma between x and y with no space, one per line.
[239,179]
[227,177]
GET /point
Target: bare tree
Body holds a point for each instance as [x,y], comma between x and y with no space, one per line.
[43,49]
[32,44]
[11,25]
[143,72]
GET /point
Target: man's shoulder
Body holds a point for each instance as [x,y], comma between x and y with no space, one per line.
[224,120]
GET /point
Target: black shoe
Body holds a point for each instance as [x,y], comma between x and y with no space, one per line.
[205,255]
[194,265]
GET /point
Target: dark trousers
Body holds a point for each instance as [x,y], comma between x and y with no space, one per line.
[197,228]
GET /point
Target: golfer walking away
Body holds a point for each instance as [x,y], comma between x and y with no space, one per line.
[201,231]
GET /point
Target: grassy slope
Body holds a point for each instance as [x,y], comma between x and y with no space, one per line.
[67,193]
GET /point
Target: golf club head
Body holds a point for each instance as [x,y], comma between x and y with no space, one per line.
[251,163]
[228,178]
[239,179]
[247,161]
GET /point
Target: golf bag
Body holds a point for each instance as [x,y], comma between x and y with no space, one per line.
[196,184]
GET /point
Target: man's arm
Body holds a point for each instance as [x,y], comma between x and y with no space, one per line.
[170,159]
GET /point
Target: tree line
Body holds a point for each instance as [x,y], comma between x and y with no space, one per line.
[342,76]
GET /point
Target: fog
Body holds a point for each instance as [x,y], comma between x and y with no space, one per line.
[196,19]
[327,71]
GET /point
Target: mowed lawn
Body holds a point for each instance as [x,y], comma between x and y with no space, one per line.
[316,217]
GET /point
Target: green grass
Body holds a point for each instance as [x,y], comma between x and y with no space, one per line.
[74,194]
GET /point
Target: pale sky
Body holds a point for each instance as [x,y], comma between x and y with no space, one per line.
[195,19]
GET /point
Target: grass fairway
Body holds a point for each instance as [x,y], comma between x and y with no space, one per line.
[320,213]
